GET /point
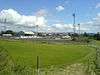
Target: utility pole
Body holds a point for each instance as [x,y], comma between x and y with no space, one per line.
[74,29]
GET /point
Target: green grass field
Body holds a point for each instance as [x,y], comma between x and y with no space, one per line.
[25,52]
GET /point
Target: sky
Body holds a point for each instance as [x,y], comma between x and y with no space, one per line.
[50,15]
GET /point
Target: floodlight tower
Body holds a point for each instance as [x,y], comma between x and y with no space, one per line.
[5,21]
[37,26]
[79,28]
[74,17]
[4,27]
[37,29]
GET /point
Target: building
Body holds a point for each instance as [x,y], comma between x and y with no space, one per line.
[7,35]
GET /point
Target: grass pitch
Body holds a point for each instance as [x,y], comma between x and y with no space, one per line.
[25,52]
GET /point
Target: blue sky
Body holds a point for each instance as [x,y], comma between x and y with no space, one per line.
[85,9]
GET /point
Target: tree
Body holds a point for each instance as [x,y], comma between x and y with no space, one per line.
[85,34]
[97,36]
[20,33]
[8,32]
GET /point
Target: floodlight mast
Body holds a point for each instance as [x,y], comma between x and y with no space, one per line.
[37,26]
[74,17]
[79,28]
[37,29]
[4,22]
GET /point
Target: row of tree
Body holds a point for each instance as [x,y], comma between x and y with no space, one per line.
[95,36]
[12,32]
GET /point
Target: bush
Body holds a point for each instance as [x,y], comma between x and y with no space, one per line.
[5,60]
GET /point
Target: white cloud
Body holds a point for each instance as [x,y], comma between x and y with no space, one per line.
[29,22]
[60,8]
[63,27]
[10,15]
[98,14]
[93,25]
[14,18]
[96,20]
[98,5]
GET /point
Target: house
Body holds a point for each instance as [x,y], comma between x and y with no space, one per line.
[7,35]
[27,35]
[66,37]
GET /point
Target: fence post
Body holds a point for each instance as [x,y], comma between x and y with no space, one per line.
[37,65]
